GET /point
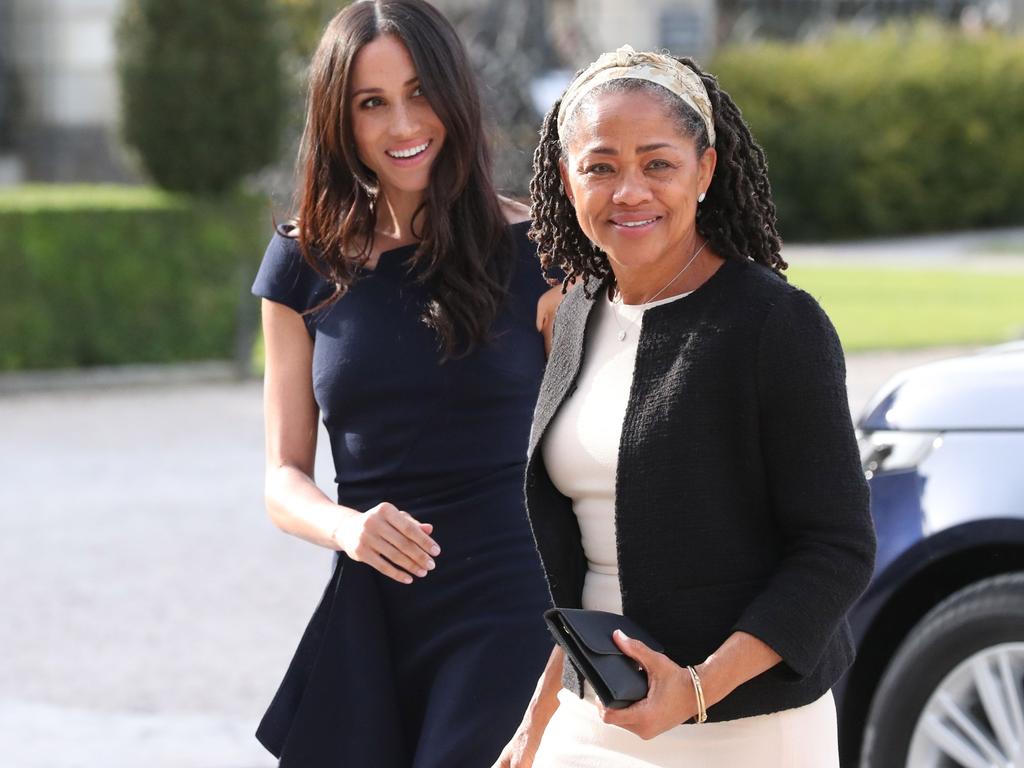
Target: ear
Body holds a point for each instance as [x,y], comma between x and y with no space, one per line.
[706,169]
[564,173]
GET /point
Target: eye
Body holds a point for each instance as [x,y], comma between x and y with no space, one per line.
[370,103]
[598,169]
[659,165]
[418,91]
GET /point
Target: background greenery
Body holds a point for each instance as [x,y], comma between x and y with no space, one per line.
[911,129]
[882,307]
[97,275]
[203,89]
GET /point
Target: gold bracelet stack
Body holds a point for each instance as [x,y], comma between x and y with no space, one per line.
[702,712]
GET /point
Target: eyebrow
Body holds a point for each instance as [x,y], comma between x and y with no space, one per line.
[408,82]
[640,150]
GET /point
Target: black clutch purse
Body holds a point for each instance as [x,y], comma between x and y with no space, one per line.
[586,638]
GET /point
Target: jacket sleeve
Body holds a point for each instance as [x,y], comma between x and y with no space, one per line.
[816,488]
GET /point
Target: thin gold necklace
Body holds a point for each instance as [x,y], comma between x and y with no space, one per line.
[649,299]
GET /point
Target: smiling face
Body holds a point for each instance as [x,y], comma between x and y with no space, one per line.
[397,133]
[634,177]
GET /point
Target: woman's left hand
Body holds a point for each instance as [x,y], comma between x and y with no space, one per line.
[670,696]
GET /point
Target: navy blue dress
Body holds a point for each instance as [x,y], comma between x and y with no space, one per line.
[439,672]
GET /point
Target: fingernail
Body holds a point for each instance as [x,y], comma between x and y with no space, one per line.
[623,634]
[421,573]
[430,565]
[435,550]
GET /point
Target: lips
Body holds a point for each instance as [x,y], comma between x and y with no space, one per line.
[634,222]
[406,154]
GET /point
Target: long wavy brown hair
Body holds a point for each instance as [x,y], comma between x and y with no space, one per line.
[465,251]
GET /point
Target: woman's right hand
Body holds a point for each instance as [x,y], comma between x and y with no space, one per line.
[521,749]
[390,540]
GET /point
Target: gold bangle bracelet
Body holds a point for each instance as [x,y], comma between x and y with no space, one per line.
[702,712]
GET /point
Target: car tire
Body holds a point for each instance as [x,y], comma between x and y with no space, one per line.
[981,616]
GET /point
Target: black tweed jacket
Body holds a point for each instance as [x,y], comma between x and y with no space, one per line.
[739,503]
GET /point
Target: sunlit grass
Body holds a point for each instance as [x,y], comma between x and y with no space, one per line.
[899,308]
[64,197]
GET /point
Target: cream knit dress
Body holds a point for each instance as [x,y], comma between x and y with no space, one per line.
[581,455]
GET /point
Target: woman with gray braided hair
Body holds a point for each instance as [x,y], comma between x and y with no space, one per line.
[692,462]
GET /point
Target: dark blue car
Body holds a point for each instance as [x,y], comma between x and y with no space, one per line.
[939,676]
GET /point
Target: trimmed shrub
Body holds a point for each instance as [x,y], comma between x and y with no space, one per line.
[109,275]
[202,89]
[913,129]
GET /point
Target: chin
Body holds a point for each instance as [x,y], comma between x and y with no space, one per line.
[628,255]
[409,185]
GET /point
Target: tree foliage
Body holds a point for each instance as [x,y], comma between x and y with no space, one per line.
[911,129]
[202,89]
[304,23]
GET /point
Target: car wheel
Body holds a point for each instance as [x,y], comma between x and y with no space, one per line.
[953,694]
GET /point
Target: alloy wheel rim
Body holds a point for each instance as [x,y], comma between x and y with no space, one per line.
[975,716]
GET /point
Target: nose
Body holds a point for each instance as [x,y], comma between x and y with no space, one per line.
[632,189]
[404,123]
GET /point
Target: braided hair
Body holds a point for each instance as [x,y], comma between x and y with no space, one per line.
[737,217]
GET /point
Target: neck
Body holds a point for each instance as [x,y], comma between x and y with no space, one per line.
[395,210]
[667,278]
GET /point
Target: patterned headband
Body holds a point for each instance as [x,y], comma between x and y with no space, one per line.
[644,65]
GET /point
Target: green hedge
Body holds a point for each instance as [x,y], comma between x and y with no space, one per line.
[911,129]
[112,275]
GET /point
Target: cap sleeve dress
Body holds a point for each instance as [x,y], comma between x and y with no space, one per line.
[439,672]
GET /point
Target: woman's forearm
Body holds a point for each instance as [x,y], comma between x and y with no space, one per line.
[545,696]
[297,506]
[740,658]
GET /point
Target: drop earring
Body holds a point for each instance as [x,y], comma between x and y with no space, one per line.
[700,198]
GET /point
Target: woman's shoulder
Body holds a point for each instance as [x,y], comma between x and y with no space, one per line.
[515,211]
[284,275]
[283,249]
[523,246]
[529,279]
[285,239]
[788,312]
[774,289]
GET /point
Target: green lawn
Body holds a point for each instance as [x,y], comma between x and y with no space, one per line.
[90,197]
[897,307]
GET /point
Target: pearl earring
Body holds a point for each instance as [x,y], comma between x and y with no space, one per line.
[700,198]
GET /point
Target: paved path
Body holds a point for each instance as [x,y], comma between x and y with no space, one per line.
[150,606]
[997,250]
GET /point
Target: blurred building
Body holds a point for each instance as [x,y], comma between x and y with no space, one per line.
[741,20]
[58,91]
[684,27]
[589,27]
[59,99]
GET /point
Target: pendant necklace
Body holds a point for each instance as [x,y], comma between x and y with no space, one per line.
[649,299]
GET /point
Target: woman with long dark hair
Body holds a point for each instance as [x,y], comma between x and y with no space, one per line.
[406,306]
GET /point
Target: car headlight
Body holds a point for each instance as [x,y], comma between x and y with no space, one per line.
[886,451]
